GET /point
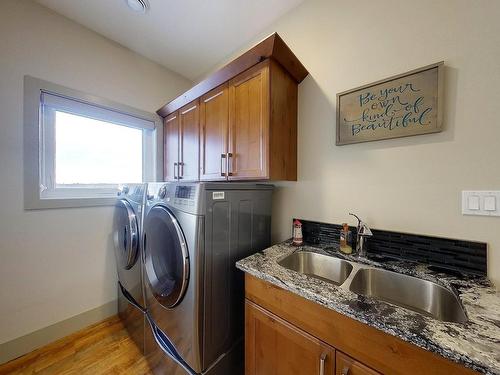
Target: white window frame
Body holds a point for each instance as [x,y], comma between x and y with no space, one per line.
[41,101]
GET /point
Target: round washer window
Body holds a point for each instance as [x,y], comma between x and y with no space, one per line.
[125,235]
[166,261]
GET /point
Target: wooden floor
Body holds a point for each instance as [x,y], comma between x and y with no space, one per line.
[104,348]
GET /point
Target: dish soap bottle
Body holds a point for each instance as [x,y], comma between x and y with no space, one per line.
[345,239]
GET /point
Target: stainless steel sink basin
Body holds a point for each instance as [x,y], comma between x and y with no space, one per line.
[423,296]
[320,266]
[419,295]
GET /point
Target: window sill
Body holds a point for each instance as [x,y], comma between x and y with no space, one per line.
[41,204]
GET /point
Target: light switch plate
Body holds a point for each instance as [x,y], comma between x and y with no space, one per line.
[473,202]
[490,203]
[481,203]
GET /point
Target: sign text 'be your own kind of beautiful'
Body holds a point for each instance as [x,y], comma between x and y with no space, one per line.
[397,107]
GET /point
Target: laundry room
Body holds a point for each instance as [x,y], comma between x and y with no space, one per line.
[234,187]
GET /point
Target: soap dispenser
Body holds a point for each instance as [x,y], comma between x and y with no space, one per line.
[345,239]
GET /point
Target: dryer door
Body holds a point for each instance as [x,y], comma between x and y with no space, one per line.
[166,257]
[125,235]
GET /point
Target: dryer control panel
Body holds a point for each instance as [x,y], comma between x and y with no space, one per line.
[182,196]
[185,197]
[185,192]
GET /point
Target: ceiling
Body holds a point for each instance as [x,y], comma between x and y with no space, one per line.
[189,37]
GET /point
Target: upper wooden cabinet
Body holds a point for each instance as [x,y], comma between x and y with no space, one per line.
[189,141]
[181,143]
[242,123]
[214,122]
[171,146]
[248,156]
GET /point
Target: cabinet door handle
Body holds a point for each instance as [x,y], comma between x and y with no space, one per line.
[322,360]
[229,163]
[180,170]
[175,166]
[345,371]
[222,157]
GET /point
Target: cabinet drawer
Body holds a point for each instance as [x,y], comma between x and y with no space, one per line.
[346,365]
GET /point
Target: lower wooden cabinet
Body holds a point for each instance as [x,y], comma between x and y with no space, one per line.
[286,334]
[346,365]
[275,347]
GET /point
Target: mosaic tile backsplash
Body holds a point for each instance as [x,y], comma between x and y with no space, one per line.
[445,253]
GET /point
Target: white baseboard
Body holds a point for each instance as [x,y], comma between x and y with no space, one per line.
[34,340]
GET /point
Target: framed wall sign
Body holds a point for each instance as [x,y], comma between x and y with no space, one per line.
[400,106]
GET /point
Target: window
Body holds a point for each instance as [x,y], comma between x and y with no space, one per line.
[87,151]
[86,147]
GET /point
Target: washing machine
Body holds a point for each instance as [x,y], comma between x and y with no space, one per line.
[127,238]
[193,235]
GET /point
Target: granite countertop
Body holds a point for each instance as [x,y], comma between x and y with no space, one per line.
[475,344]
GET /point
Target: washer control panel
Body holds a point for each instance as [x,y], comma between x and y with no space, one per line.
[133,192]
[162,193]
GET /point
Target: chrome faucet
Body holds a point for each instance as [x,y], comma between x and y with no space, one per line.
[362,233]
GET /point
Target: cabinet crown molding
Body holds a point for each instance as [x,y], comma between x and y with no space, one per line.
[272,47]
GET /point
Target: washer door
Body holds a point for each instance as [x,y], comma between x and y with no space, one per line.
[125,235]
[166,257]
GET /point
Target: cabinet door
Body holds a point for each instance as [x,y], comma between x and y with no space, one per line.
[171,146]
[249,124]
[189,122]
[348,366]
[274,347]
[214,117]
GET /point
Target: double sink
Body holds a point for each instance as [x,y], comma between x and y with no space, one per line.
[422,296]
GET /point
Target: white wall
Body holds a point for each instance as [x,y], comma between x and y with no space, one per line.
[58,263]
[407,184]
